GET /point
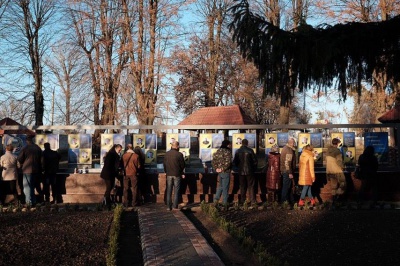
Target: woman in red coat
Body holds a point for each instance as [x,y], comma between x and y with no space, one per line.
[273,173]
[306,174]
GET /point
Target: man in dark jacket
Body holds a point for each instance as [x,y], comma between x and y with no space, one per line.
[246,160]
[110,171]
[30,159]
[174,166]
[50,164]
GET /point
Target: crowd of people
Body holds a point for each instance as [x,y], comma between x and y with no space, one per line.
[281,166]
[280,174]
[124,176]
[38,171]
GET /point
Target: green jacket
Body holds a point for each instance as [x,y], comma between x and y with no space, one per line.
[222,158]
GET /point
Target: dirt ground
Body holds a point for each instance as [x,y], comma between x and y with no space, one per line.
[294,237]
[54,238]
[317,237]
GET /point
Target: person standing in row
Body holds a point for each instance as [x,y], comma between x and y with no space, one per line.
[30,159]
[9,175]
[287,167]
[131,166]
[50,165]
[274,179]
[222,163]
[368,164]
[246,160]
[141,175]
[334,170]
[110,171]
[306,174]
[174,166]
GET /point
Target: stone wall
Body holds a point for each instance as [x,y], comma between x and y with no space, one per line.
[85,188]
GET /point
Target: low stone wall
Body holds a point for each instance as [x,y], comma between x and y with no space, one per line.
[85,188]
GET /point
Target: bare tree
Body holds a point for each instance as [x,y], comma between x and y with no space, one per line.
[98,32]
[73,80]
[149,29]
[27,26]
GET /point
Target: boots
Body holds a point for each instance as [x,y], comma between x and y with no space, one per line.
[301,203]
[312,202]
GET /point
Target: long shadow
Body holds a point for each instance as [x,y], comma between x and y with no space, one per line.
[130,249]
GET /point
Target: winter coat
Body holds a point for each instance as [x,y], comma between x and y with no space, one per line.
[50,161]
[10,166]
[246,160]
[131,163]
[288,160]
[111,165]
[174,163]
[368,164]
[334,161]
[30,159]
[306,168]
[222,159]
[273,171]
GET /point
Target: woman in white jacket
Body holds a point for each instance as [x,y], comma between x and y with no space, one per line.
[9,175]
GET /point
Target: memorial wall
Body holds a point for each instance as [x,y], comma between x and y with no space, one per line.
[79,147]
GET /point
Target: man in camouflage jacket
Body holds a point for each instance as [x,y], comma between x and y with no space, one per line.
[222,163]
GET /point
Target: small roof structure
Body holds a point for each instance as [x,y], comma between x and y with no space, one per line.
[219,115]
[10,122]
[391,116]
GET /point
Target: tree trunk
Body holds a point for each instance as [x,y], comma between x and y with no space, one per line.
[284,113]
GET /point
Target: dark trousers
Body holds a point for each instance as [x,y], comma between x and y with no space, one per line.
[286,192]
[110,183]
[133,180]
[9,186]
[50,181]
[247,182]
[370,185]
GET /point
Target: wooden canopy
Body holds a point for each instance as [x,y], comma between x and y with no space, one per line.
[10,122]
[391,116]
[219,115]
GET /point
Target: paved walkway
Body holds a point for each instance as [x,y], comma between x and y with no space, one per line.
[169,238]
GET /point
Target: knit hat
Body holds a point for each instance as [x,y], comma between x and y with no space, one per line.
[275,148]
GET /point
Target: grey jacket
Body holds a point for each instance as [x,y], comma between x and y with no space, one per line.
[30,159]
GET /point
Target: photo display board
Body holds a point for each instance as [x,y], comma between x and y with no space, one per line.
[209,143]
[80,149]
[52,139]
[184,143]
[279,139]
[148,144]
[237,141]
[17,140]
[107,141]
[347,146]
[315,140]
[380,142]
